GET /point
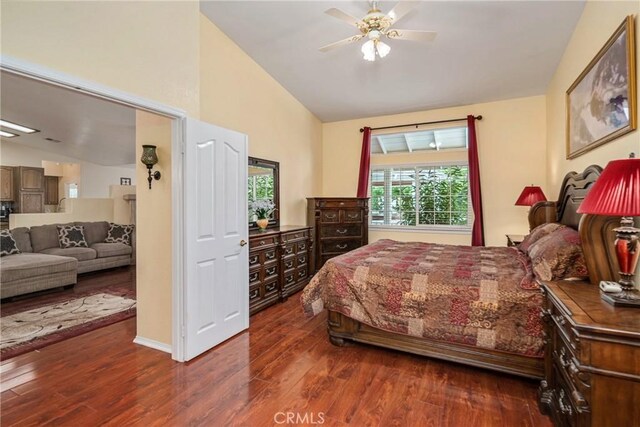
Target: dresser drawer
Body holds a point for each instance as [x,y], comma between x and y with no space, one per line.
[577,383]
[563,326]
[328,216]
[295,235]
[289,249]
[341,230]
[254,294]
[263,242]
[301,273]
[290,278]
[352,215]
[254,258]
[270,289]
[270,271]
[289,263]
[254,276]
[301,246]
[340,246]
[354,203]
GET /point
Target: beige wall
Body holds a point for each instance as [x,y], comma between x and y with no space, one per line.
[598,22]
[75,210]
[153,228]
[240,95]
[511,139]
[149,49]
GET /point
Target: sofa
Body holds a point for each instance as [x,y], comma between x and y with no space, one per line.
[43,264]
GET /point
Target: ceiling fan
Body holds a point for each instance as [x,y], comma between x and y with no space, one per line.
[374,26]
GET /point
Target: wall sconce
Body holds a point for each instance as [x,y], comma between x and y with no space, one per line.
[149,159]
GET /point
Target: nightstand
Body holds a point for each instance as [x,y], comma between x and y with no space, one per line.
[592,349]
[514,239]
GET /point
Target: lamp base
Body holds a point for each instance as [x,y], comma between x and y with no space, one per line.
[622,299]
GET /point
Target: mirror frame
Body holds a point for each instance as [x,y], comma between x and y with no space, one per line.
[269,164]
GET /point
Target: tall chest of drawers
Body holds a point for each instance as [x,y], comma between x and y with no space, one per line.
[592,358]
[339,225]
[279,264]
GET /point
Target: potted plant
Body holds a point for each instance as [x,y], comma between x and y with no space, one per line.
[262,209]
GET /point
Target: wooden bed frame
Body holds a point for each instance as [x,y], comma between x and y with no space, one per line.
[596,234]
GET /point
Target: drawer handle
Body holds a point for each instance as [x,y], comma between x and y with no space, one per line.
[302,247]
[288,264]
[302,259]
[270,255]
[295,236]
[352,216]
[341,203]
[343,246]
[270,271]
[343,231]
[330,216]
[565,408]
[289,279]
[559,319]
[302,273]
[253,294]
[253,277]
[288,250]
[270,287]
[253,259]
[262,243]
[545,314]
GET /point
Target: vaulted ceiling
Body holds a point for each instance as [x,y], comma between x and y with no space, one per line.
[484,51]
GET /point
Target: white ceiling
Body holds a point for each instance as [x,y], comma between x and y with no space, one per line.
[484,51]
[89,128]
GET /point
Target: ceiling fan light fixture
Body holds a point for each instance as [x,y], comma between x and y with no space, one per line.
[383,49]
[369,51]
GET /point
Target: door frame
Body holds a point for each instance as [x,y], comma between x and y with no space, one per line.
[178,129]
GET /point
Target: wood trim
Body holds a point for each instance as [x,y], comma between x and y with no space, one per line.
[156,345]
[341,328]
[597,235]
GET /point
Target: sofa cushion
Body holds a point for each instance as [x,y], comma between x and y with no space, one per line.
[25,266]
[105,250]
[119,233]
[95,232]
[7,244]
[81,254]
[72,236]
[23,238]
[44,237]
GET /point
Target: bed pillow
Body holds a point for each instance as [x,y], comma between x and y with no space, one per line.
[71,236]
[538,233]
[119,234]
[558,256]
[8,245]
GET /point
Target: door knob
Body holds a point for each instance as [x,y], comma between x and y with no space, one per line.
[242,242]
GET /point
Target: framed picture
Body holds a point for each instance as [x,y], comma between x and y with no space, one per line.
[601,103]
[125,181]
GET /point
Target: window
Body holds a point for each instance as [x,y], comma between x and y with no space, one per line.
[428,196]
[421,192]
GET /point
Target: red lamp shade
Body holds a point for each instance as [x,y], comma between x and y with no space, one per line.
[530,196]
[617,190]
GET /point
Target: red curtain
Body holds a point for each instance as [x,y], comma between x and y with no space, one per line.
[477,232]
[365,161]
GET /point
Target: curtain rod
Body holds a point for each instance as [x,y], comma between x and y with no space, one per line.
[423,123]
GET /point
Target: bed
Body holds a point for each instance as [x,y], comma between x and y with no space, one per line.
[478,306]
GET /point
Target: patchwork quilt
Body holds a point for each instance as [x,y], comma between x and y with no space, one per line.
[477,296]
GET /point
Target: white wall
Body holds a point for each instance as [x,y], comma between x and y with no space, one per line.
[94,179]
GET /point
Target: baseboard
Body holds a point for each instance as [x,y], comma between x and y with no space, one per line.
[156,345]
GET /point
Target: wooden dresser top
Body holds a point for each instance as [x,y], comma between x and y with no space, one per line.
[588,311]
[277,230]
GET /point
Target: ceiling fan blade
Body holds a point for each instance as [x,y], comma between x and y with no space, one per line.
[416,35]
[343,16]
[343,42]
[400,10]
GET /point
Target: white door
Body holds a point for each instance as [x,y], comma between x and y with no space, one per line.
[216,232]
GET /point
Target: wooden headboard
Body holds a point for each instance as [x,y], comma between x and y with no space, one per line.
[596,232]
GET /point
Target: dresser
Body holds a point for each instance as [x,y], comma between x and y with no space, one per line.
[340,224]
[278,264]
[592,358]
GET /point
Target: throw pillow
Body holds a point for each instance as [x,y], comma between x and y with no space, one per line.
[8,244]
[72,236]
[119,233]
[538,233]
[559,256]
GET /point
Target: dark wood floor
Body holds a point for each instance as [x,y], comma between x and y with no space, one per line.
[284,363]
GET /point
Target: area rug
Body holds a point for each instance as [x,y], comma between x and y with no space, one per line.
[32,328]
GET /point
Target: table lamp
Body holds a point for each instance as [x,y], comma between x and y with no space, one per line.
[617,193]
[530,196]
